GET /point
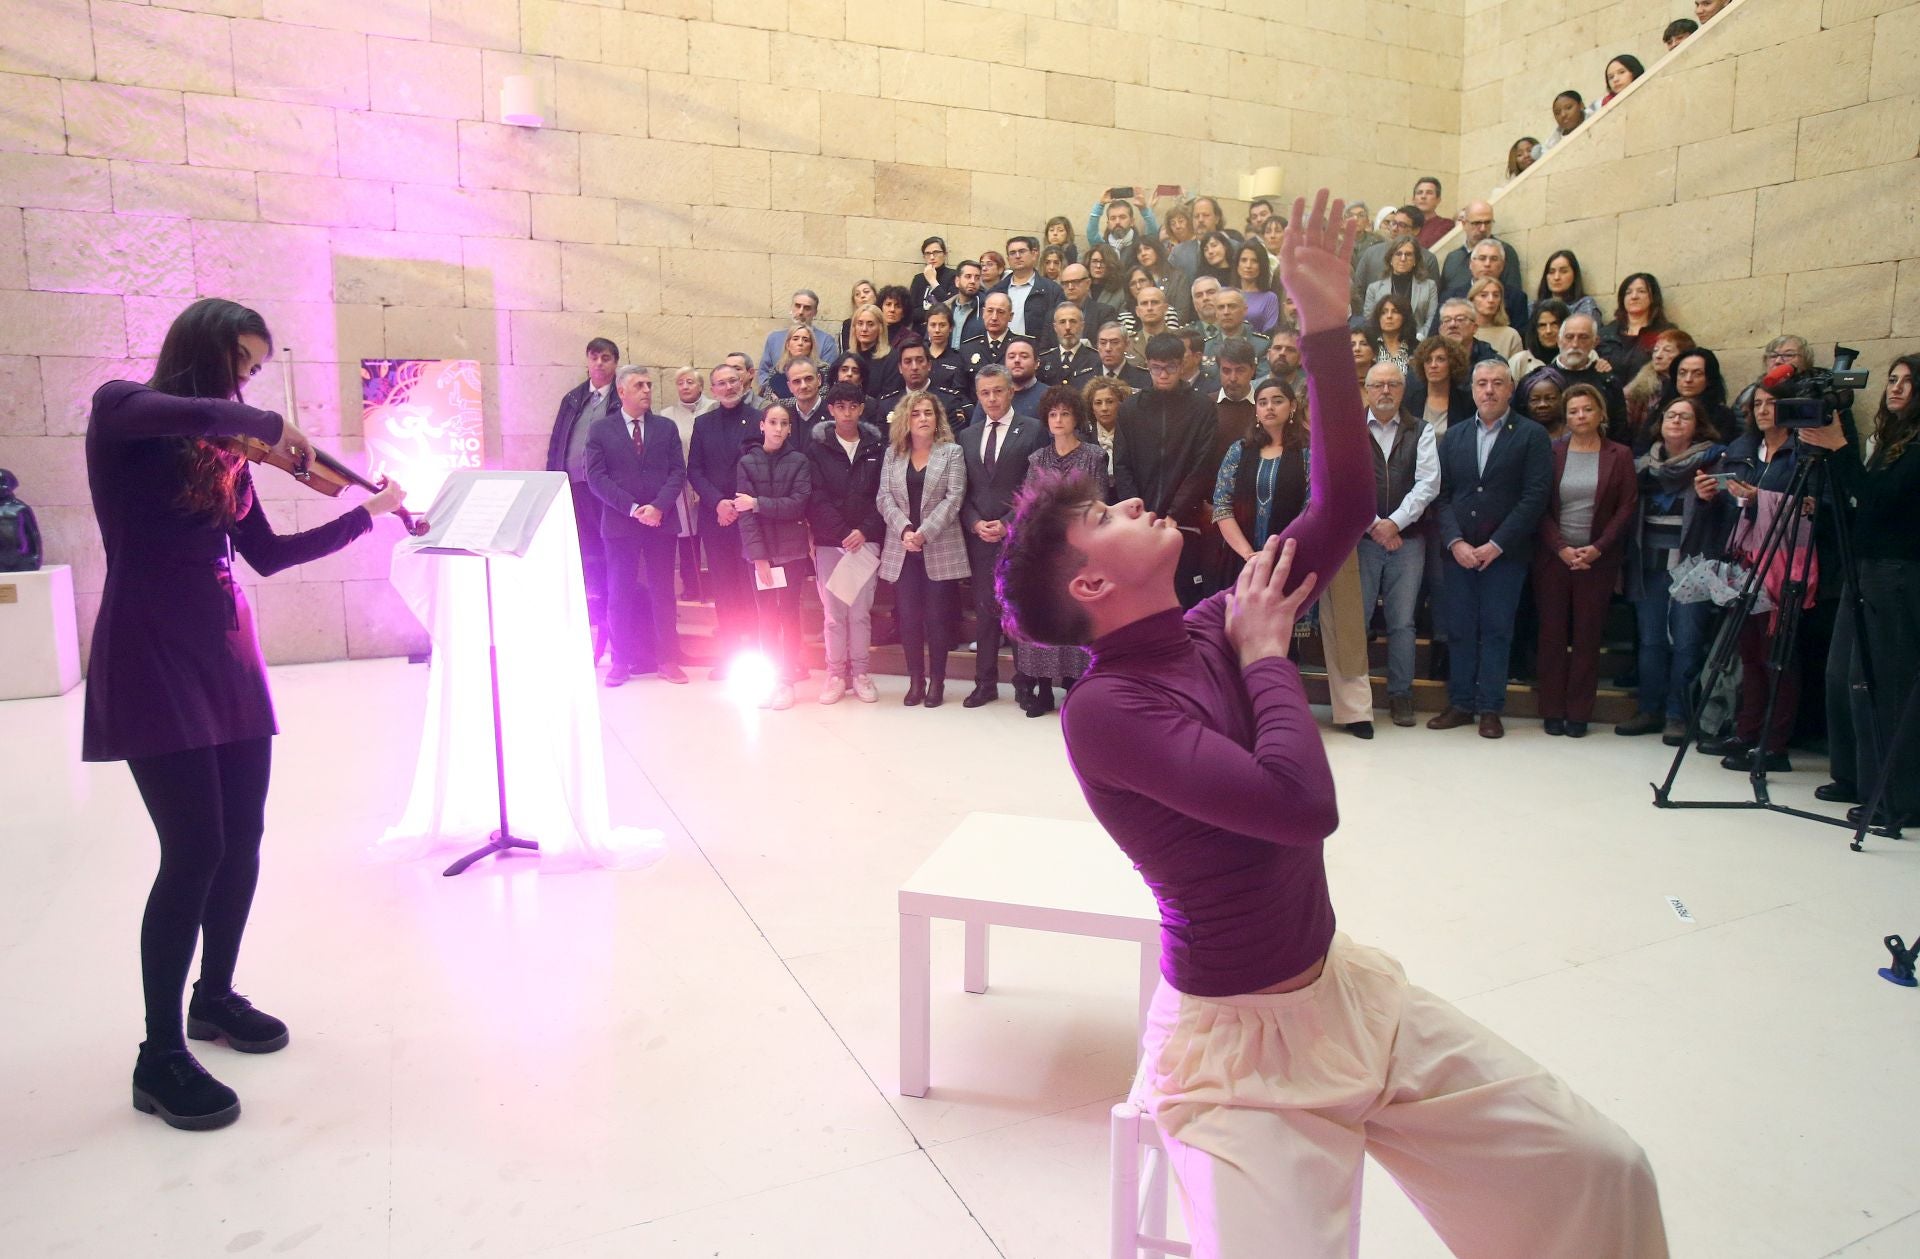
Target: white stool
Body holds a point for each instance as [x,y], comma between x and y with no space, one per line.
[39,636]
[997,869]
[1137,1185]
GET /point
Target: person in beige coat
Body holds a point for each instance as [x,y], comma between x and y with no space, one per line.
[923,481]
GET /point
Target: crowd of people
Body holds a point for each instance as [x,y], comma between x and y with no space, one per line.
[1541,454]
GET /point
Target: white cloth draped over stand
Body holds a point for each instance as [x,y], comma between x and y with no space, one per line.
[549,707]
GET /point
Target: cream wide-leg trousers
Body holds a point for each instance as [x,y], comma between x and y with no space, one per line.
[1268,1105]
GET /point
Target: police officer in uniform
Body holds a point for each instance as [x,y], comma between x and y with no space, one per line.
[990,346]
[1071,356]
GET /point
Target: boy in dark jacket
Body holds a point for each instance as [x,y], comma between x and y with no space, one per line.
[775,479]
[845,520]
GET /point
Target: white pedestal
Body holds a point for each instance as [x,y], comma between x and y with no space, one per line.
[39,634]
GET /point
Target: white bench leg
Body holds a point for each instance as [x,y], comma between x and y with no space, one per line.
[976,978]
[1149,979]
[1123,1186]
[915,1010]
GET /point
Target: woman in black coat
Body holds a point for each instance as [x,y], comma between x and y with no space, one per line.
[176,685]
[775,478]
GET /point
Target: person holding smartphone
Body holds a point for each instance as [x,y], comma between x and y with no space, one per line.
[1119,219]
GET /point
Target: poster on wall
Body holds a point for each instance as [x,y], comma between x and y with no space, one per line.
[421,420]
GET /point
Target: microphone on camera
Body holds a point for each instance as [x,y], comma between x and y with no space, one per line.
[1777,376]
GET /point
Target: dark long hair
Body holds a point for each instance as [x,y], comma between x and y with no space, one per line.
[198,360]
[1408,334]
[1579,289]
[1545,306]
[1223,273]
[1893,433]
[1713,398]
[1656,304]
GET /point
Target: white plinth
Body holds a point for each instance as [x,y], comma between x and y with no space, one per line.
[998,870]
[39,634]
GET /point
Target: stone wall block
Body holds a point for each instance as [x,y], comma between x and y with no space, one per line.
[1728,314]
[30,118]
[782,118]
[592,219]
[62,43]
[301,622]
[494,155]
[476,23]
[1075,98]
[808,57]
[1745,159]
[1811,75]
[55,183]
[742,178]
[553,28]
[729,52]
[444,332]
[262,260]
[1896,54]
[22,408]
[322,202]
[693,109]
[66,385]
[1698,240]
[51,469]
[610,278]
[147,46]
[715,283]
[397,268]
[300,64]
[188,192]
[394,146]
[403,19]
[862,126]
[888,23]
[503,274]
[601,98]
[921,193]
[1680,106]
[527,397]
[73,252]
[655,223]
[261,135]
[108,120]
[1627,184]
[662,341]
[1906,299]
[643,40]
[835,185]
[408,76]
[1838,220]
[461,211]
[1848,304]
[559,338]
[378,621]
[1878,132]
[81,324]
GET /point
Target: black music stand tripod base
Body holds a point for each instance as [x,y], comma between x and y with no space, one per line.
[496,843]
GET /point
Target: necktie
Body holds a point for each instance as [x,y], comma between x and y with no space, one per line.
[993,446]
[639,442]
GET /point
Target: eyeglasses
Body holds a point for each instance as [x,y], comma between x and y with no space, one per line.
[1162,369]
[1382,384]
[933,253]
[1783,356]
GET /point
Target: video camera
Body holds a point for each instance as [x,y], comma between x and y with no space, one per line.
[1810,399]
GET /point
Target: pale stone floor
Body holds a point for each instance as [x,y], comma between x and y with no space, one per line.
[699,1059]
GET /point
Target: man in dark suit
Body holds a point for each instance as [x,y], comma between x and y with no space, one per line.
[990,345]
[997,445]
[1476,225]
[1486,261]
[1110,348]
[1033,295]
[637,473]
[712,461]
[1163,442]
[1071,357]
[916,374]
[1078,287]
[1496,475]
[586,402]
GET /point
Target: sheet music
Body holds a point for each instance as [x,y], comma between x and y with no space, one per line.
[478,521]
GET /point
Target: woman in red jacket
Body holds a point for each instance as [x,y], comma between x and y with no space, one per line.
[1583,542]
[176,686]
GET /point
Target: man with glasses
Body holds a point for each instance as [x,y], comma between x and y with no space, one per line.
[1456,322]
[1406,474]
[1476,225]
[934,284]
[1577,364]
[1033,295]
[1077,285]
[826,348]
[1488,261]
[1163,442]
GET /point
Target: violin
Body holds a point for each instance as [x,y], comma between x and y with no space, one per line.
[316,469]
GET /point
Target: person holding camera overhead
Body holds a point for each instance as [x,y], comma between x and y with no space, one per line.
[1884,488]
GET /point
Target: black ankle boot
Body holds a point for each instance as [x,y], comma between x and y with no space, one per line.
[1041,702]
[916,691]
[233,1019]
[172,1084]
[936,693]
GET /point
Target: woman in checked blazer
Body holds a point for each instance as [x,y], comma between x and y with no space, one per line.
[923,481]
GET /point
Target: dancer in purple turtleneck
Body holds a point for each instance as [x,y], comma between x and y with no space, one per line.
[1279,1053]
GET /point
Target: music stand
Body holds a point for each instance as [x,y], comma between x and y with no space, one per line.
[481,515]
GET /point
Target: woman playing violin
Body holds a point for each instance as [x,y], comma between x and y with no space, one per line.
[176,684]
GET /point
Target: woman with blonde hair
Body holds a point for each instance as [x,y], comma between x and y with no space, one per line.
[922,482]
[863,293]
[867,341]
[801,346]
[1489,299]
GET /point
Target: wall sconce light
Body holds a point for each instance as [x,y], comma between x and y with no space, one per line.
[520,101]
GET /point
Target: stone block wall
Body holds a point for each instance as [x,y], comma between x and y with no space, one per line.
[1768,174]
[341,165]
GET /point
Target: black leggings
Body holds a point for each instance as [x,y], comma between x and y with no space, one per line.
[926,609]
[208,806]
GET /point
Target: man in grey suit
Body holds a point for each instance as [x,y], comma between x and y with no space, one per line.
[637,472]
[588,401]
[997,445]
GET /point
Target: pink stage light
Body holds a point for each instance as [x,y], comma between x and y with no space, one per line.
[751,678]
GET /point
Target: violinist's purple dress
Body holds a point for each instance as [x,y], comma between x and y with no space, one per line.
[176,662]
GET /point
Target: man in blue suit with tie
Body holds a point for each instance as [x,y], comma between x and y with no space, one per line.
[1496,474]
[636,470]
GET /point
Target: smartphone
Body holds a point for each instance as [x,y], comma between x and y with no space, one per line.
[1724,479]
[1169,190]
[1119,194]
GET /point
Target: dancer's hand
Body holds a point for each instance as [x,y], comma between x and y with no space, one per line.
[1316,263]
[1261,610]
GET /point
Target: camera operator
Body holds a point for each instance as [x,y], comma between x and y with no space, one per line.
[1883,490]
[1762,460]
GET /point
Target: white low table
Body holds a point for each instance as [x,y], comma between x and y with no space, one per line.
[999,870]
[39,638]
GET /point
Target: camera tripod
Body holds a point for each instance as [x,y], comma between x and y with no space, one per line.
[1811,480]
